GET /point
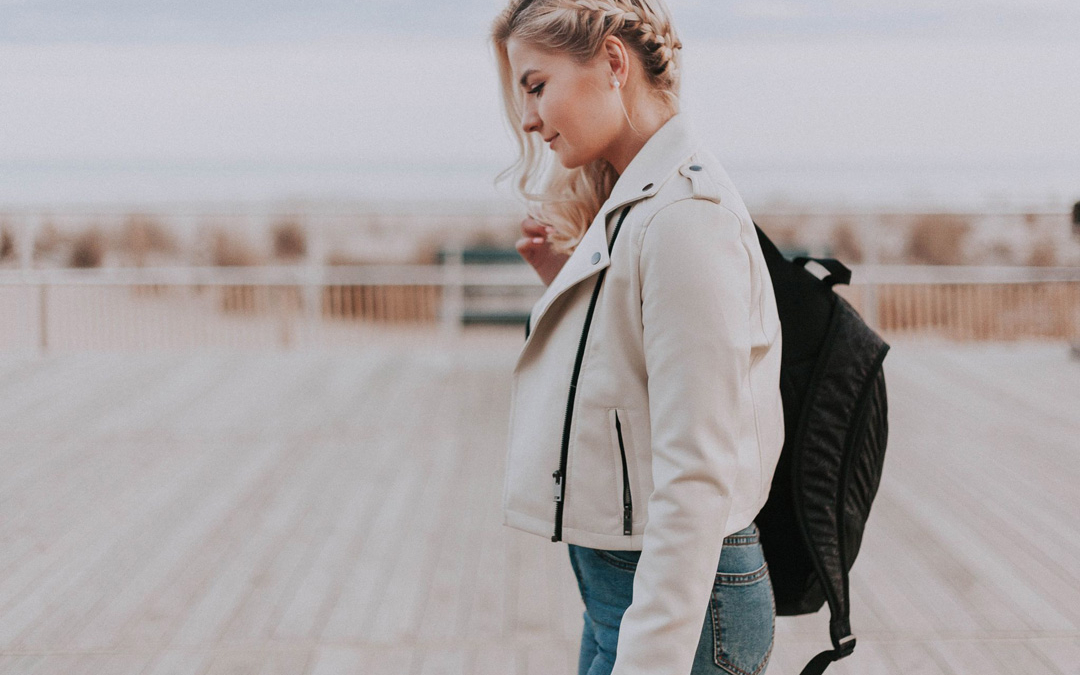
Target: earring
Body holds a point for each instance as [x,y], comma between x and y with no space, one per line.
[614,81]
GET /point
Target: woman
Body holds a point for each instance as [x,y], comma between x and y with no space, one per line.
[646,418]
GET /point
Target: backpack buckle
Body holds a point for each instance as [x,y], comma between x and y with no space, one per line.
[845,647]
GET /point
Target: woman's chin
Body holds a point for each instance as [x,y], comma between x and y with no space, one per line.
[567,161]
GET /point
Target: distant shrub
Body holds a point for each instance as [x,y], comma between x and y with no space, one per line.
[230,250]
[142,235]
[47,241]
[338,257]
[7,243]
[846,245]
[427,249]
[937,239]
[290,240]
[1043,253]
[88,249]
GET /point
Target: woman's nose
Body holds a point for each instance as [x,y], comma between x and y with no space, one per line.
[530,121]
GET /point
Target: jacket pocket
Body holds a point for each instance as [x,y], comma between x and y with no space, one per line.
[618,440]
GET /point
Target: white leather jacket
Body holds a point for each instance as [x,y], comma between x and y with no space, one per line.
[661,429]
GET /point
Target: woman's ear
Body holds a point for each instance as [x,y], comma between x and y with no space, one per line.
[617,57]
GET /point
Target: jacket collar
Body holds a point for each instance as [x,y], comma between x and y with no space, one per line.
[662,154]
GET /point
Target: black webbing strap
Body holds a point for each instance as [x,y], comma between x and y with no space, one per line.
[838,271]
[819,663]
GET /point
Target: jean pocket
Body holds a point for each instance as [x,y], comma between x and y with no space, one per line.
[623,560]
[743,620]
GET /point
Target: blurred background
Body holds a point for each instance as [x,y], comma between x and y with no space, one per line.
[261,304]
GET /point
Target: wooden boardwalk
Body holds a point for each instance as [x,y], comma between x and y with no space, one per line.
[338,512]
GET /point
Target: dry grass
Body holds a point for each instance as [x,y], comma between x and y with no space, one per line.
[290,240]
[48,241]
[7,243]
[229,249]
[339,258]
[88,249]
[937,239]
[1043,253]
[846,243]
[143,235]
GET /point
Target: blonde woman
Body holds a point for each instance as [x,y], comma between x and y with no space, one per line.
[646,417]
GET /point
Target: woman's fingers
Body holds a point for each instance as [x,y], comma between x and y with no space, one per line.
[534,228]
[529,247]
[536,250]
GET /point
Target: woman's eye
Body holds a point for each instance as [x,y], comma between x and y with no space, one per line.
[536,89]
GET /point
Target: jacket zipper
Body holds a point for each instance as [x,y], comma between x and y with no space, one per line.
[559,475]
[628,504]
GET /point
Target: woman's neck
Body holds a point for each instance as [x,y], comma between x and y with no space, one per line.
[646,120]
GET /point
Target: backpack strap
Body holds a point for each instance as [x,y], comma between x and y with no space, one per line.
[819,663]
[838,271]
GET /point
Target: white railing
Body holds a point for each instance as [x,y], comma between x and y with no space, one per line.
[287,305]
[297,306]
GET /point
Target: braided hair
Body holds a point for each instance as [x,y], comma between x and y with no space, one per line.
[571,198]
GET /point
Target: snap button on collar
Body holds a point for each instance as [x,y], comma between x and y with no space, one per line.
[596,257]
[695,167]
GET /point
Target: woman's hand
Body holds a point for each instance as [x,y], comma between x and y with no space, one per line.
[536,250]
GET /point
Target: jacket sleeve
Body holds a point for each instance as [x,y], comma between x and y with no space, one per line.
[696,315]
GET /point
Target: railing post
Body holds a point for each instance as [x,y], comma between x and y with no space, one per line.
[282,295]
[453,300]
[870,295]
[43,317]
[870,306]
[315,278]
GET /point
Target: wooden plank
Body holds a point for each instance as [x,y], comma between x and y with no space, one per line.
[221,512]
[334,599]
[21,664]
[450,660]
[375,604]
[178,662]
[37,589]
[1061,654]
[275,579]
[369,661]
[494,658]
[456,553]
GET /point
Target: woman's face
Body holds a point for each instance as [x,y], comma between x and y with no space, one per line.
[572,106]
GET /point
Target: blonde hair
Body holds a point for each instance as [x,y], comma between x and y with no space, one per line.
[569,199]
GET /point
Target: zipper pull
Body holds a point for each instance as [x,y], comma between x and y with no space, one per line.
[558,485]
[627,519]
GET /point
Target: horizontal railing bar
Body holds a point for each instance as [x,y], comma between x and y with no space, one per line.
[501,274]
[959,274]
[360,275]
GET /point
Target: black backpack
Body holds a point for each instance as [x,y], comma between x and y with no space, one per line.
[836,426]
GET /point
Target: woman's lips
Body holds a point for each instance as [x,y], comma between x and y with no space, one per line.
[551,143]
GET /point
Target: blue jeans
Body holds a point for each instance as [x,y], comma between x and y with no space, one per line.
[737,632]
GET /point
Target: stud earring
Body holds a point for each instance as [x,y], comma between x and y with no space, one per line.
[614,81]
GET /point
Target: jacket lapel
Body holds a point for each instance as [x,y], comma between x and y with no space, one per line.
[590,256]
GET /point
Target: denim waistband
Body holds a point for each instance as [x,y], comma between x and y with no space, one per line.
[746,536]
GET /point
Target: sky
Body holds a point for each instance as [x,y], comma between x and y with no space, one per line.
[37,21]
[864,105]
